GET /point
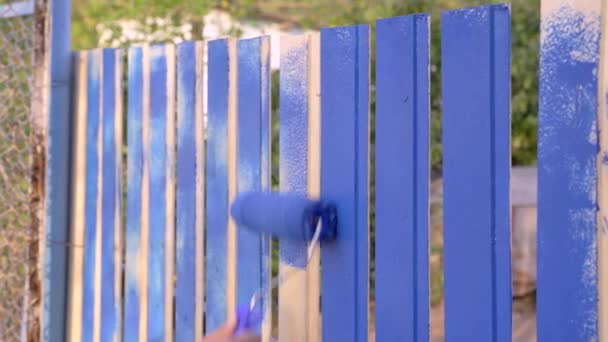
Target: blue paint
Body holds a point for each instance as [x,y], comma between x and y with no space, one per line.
[111,192]
[56,197]
[402,178]
[249,252]
[567,175]
[476,165]
[92,173]
[216,185]
[186,228]
[134,183]
[293,138]
[158,188]
[344,180]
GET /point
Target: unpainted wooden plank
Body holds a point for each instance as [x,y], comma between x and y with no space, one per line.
[78,195]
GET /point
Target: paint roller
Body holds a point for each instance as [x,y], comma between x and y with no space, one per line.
[285,216]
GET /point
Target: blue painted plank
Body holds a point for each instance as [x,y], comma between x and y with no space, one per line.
[402,178]
[158,187]
[217,185]
[91,200]
[185,235]
[111,192]
[249,162]
[567,295]
[476,166]
[293,136]
[344,179]
[56,190]
[134,200]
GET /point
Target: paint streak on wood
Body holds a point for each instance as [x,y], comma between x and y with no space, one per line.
[568,171]
[602,184]
[299,172]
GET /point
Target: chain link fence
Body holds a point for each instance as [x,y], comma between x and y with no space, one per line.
[17,231]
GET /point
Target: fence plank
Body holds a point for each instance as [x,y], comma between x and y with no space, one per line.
[602,185]
[111,193]
[248,162]
[567,171]
[252,114]
[135,155]
[78,195]
[298,311]
[190,190]
[92,196]
[161,187]
[216,261]
[402,178]
[344,179]
[266,184]
[476,161]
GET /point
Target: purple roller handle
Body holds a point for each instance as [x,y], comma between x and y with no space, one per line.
[247,320]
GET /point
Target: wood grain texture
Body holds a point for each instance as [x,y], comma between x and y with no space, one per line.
[567,171]
[344,180]
[402,178]
[476,159]
[78,195]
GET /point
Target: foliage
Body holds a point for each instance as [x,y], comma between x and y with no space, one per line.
[89,17]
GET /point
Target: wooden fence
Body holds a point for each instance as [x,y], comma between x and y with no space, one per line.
[173,266]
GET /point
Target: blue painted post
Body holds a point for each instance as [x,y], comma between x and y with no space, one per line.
[160,184]
[253,112]
[57,124]
[567,294]
[217,184]
[476,165]
[344,180]
[132,295]
[190,194]
[111,262]
[186,229]
[402,178]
